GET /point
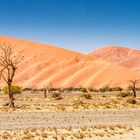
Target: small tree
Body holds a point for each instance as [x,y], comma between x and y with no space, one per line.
[132,86]
[45,92]
[14,89]
[8,66]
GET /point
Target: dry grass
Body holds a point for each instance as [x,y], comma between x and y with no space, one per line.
[29,103]
[67,133]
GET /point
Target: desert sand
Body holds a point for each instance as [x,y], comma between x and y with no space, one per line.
[127,57]
[49,66]
[69,114]
[105,116]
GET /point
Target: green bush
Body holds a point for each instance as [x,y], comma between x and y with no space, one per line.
[84,90]
[68,89]
[27,89]
[131,101]
[101,89]
[117,89]
[124,94]
[105,88]
[56,95]
[14,89]
[86,96]
[93,90]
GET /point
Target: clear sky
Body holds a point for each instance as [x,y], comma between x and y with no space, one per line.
[79,25]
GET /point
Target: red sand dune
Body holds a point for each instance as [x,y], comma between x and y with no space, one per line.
[127,57]
[49,66]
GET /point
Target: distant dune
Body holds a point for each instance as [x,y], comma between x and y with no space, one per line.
[49,66]
[127,57]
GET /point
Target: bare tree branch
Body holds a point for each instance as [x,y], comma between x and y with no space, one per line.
[132,86]
[8,66]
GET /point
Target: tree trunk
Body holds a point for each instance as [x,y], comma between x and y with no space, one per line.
[134,92]
[11,102]
[45,93]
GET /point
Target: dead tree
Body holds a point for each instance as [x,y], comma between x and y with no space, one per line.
[8,66]
[132,86]
[45,92]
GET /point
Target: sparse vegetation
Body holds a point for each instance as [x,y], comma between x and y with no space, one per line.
[131,101]
[45,92]
[9,63]
[132,86]
[56,95]
[66,133]
[124,94]
[86,96]
[72,89]
[74,103]
[93,90]
[15,89]
[61,107]
[69,89]
[108,89]
[84,90]
[117,89]
[105,89]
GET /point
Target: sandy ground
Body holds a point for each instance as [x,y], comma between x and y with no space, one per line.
[117,132]
[35,102]
[105,116]
[65,119]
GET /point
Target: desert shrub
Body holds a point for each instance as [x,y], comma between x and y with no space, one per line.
[14,89]
[93,90]
[36,90]
[78,102]
[138,89]
[124,94]
[52,89]
[105,88]
[77,89]
[69,89]
[101,89]
[26,89]
[131,101]
[86,96]
[117,89]
[59,89]
[84,90]
[103,96]
[56,95]
[129,88]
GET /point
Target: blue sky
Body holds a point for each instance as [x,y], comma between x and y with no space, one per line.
[79,25]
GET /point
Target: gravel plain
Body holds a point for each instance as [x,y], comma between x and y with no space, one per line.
[26,120]
[105,116]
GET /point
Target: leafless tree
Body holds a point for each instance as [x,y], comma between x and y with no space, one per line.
[9,62]
[132,86]
[45,90]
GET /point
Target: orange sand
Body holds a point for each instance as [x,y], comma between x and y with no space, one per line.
[127,57]
[46,66]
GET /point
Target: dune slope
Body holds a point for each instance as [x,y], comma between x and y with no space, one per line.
[50,66]
[127,57]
